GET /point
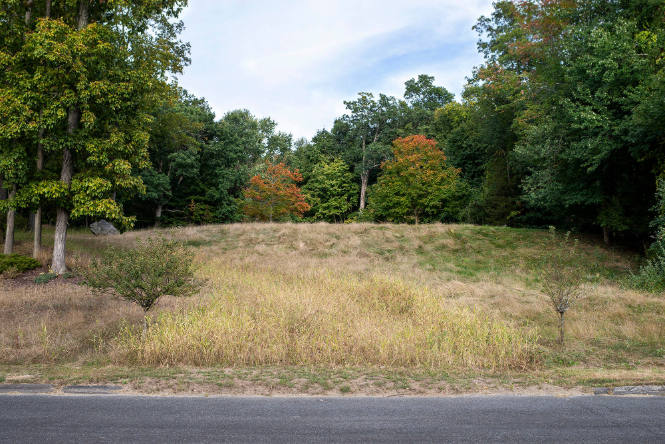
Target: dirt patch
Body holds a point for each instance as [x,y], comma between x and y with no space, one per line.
[257,383]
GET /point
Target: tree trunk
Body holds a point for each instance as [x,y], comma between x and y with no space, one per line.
[83,14]
[11,219]
[561,324]
[415,215]
[3,194]
[364,178]
[28,11]
[145,326]
[606,236]
[37,233]
[48,9]
[62,215]
[158,215]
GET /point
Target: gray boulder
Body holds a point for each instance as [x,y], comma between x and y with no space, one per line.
[103,228]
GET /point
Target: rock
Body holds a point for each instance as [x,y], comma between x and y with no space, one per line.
[640,390]
[601,391]
[103,228]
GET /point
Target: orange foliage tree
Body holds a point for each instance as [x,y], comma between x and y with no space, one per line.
[274,195]
[417,185]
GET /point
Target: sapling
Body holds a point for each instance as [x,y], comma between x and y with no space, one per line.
[560,281]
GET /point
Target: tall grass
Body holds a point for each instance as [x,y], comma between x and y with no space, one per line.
[261,316]
[438,296]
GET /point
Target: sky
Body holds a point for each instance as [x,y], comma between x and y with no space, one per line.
[296,61]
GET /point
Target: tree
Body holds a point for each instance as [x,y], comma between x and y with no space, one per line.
[417,184]
[274,195]
[13,163]
[583,108]
[158,191]
[367,125]
[331,191]
[89,77]
[15,114]
[181,128]
[421,99]
[422,93]
[305,157]
[456,130]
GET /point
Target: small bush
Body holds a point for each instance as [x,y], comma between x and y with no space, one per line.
[366,215]
[153,268]
[652,274]
[10,273]
[18,263]
[45,278]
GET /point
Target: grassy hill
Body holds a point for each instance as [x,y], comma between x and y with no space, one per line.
[359,307]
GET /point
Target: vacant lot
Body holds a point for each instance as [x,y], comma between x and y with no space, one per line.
[342,308]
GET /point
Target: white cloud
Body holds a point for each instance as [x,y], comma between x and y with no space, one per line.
[297,60]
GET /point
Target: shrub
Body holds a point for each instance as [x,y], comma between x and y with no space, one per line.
[17,263]
[152,269]
[652,274]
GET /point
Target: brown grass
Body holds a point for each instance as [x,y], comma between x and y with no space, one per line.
[429,296]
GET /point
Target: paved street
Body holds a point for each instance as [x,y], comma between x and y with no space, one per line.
[46,418]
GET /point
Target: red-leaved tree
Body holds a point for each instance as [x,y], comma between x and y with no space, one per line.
[274,195]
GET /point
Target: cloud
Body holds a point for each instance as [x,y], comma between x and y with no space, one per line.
[297,60]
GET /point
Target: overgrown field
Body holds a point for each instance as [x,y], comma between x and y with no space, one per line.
[428,299]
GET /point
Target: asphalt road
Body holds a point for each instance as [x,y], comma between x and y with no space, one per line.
[38,418]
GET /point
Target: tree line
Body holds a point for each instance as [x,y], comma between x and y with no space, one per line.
[560,125]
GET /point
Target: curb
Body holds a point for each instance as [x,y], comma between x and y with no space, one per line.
[26,388]
[92,389]
[631,390]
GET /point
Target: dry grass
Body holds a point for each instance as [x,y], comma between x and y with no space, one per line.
[261,315]
[55,322]
[432,296]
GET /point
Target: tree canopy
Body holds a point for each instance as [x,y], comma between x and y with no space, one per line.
[560,125]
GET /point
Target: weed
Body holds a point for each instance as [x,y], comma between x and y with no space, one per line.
[44,278]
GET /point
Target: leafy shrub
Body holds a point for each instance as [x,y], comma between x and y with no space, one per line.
[652,274]
[17,262]
[45,278]
[152,269]
[361,216]
[200,213]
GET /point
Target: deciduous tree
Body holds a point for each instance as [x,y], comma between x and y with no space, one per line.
[89,76]
[274,195]
[331,191]
[417,184]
